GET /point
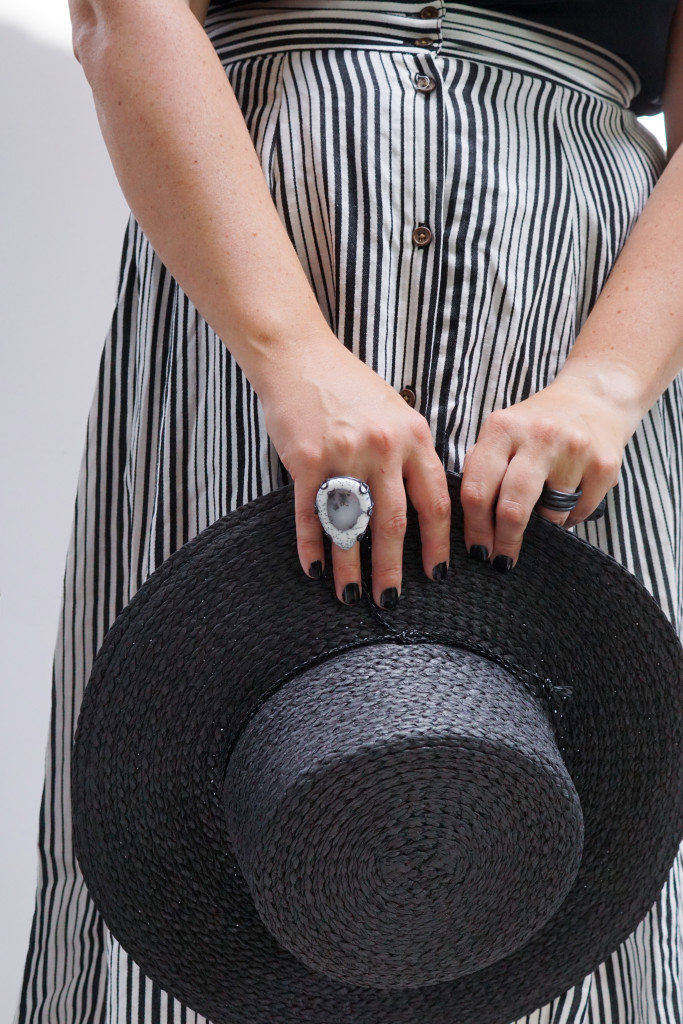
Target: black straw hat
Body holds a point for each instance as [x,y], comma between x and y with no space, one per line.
[291,812]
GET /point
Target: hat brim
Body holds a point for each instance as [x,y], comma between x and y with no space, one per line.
[227,619]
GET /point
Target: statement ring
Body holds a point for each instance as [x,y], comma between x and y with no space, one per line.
[344,506]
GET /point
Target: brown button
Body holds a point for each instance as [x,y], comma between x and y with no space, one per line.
[422,236]
[429,12]
[424,83]
[409,396]
[423,42]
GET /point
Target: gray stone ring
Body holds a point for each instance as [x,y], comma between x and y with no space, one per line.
[344,507]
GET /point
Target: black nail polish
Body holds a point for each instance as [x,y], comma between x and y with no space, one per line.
[351,593]
[315,570]
[389,598]
[479,553]
[440,571]
[503,563]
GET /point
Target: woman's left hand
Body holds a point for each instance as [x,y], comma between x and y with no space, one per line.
[570,435]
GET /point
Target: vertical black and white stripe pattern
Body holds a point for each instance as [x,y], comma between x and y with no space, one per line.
[529,171]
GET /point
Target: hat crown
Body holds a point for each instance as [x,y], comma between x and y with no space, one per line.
[404,820]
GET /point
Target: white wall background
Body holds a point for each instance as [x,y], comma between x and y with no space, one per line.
[62,220]
[61,223]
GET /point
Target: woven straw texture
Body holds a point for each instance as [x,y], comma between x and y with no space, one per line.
[451,813]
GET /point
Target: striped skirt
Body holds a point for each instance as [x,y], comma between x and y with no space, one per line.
[457,185]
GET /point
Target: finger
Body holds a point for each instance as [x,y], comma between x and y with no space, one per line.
[346,569]
[388,525]
[594,516]
[309,532]
[486,467]
[519,492]
[600,476]
[565,484]
[428,491]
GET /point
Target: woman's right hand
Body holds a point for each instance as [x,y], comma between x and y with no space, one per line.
[328,414]
[229,250]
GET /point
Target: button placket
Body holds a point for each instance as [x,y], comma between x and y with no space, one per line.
[422,236]
[427,188]
[429,13]
[424,83]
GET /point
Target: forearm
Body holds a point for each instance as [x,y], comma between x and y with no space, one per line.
[631,346]
[188,169]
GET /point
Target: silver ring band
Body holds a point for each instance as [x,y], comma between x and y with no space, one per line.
[559,501]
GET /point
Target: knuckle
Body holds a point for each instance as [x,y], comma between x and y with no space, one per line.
[497,423]
[301,457]
[439,509]
[512,513]
[546,431]
[473,495]
[607,467]
[577,443]
[382,440]
[394,526]
[345,444]
[386,574]
[346,560]
[305,518]
[422,431]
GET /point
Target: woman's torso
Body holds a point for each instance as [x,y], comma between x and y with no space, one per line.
[635,30]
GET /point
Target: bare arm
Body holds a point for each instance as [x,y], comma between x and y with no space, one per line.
[187,166]
[635,330]
[189,171]
[640,310]
[628,352]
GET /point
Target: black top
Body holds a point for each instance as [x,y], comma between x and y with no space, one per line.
[637,30]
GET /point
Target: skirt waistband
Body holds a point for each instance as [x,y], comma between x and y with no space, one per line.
[263,27]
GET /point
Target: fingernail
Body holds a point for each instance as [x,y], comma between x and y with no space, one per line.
[503,563]
[315,570]
[389,598]
[479,553]
[351,593]
[440,571]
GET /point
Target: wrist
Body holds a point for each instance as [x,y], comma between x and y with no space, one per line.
[274,352]
[616,386]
